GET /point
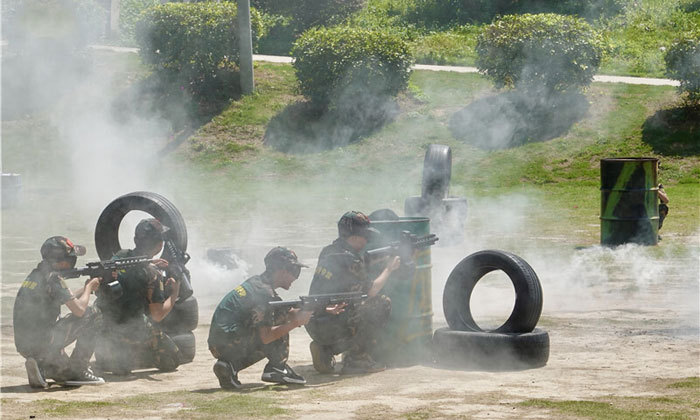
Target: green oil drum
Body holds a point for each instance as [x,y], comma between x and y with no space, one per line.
[407,336]
[629,201]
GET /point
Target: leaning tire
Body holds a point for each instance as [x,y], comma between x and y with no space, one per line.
[490,351]
[463,278]
[107,229]
[437,171]
[186,344]
[184,317]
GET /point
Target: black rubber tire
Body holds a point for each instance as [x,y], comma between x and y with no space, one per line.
[416,206]
[437,171]
[184,317]
[186,344]
[465,275]
[107,229]
[490,351]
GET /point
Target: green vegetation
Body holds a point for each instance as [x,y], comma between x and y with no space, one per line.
[193,45]
[544,52]
[179,404]
[338,65]
[683,63]
[682,404]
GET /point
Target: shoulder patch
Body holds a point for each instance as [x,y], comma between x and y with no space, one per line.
[240,291]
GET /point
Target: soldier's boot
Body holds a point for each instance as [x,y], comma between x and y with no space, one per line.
[358,363]
[226,374]
[322,357]
[282,375]
[34,374]
[84,377]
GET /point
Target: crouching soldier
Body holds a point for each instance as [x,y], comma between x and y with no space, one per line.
[129,325]
[244,330]
[343,268]
[40,335]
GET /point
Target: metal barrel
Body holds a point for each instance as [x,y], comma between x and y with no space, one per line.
[629,201]
[407,336]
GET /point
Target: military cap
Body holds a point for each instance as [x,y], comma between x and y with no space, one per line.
[279,257]
[355,223]
[58,248]
[150,229]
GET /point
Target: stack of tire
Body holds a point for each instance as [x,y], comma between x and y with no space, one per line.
[516,344]
[184,316]
[447,214]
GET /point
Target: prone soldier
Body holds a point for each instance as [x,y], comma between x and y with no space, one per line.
[245,329]
[40,335]
[130,320]
[343,268]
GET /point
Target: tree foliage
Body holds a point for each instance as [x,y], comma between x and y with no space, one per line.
[683,64]
[545,52]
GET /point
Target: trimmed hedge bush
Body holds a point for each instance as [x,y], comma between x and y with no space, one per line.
[343,63]
[193,43]
[545,52]
[683,64]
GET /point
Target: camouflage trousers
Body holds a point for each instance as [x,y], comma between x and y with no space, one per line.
[52,358]
[245,348]
[354,330]
[137,344]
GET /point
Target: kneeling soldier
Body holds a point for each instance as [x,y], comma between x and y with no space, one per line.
[244,329]
[40,336]
[342,267]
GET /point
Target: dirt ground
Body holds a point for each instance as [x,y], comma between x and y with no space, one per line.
[621,345]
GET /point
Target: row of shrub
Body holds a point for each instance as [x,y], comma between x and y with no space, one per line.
[197,42]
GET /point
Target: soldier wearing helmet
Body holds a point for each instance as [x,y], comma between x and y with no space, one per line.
[244,330]
[342,267]
[130,327]
[41,335]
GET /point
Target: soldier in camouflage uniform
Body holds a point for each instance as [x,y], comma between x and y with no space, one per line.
[343,268]
[130,331]
[244,330]
[40,336]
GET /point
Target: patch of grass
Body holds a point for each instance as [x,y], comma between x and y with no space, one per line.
[65,408]
[692,383]
[455,46]
[241,405]
[192,404]
[603,410]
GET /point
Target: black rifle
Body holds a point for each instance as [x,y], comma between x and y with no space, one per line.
[176,269]
[316,302]
[109,287]
[403,248]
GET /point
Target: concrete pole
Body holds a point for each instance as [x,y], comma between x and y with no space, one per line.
[245,46]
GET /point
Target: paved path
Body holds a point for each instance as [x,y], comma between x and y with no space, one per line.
[456,69]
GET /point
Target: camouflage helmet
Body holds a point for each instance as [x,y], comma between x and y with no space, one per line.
[149,231]
[355,223]
[59,248]
[280,257]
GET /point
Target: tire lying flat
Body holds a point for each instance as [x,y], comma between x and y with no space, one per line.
[490,351]
[463,278]
[182,318]
[186,344]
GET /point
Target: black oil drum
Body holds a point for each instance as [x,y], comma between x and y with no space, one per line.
[629,201]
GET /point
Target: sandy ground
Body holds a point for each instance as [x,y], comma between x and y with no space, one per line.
[594,354]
